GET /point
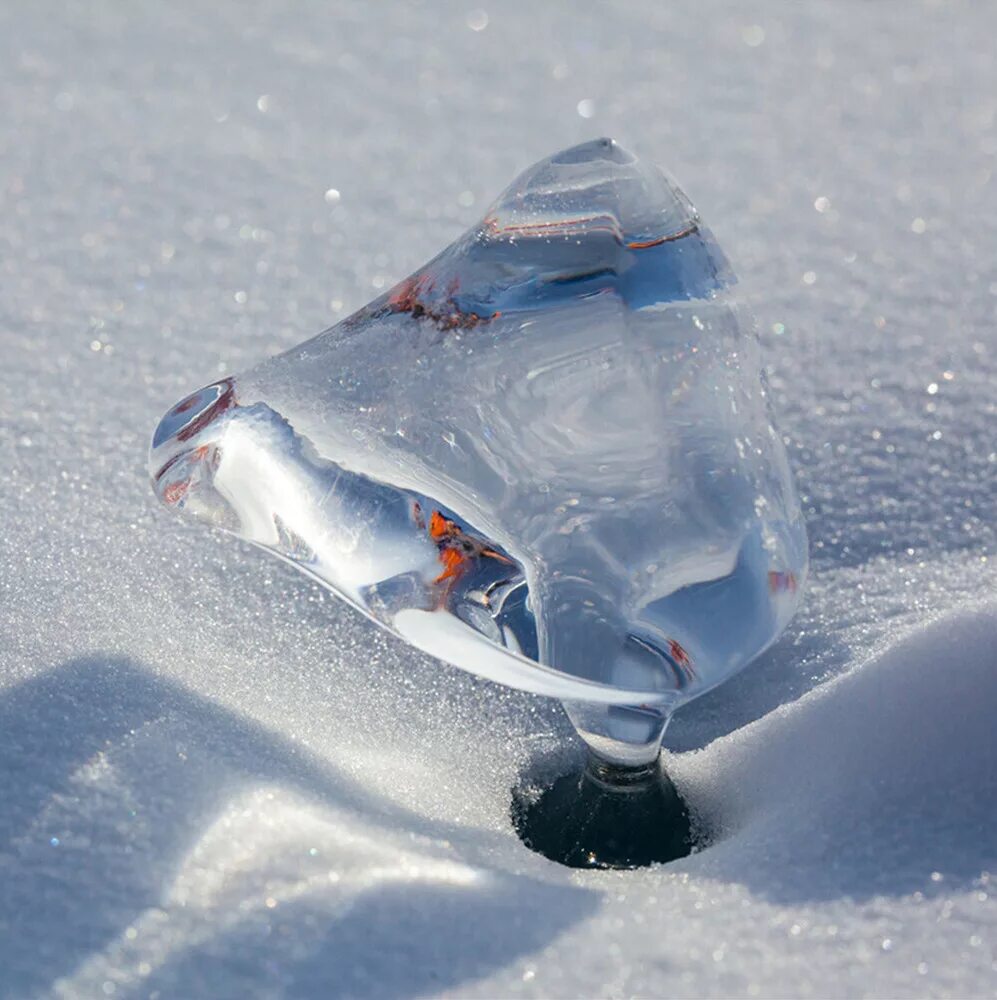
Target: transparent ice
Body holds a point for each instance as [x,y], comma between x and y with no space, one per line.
[546,457]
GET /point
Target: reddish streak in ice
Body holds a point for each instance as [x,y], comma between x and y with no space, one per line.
[412,296]
[457,549]
[782,580]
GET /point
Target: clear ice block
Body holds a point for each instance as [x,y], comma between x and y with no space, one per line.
[546,457]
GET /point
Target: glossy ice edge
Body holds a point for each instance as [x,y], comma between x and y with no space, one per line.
[235,466]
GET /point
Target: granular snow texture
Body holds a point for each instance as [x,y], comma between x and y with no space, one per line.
[218,781]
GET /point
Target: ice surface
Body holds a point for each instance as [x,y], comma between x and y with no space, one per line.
[549,444]
[170,760]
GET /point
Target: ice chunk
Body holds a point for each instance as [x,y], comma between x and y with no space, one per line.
[545,457]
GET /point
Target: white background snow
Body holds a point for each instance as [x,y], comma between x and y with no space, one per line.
[217,781]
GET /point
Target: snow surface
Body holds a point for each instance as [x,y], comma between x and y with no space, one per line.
[217,781]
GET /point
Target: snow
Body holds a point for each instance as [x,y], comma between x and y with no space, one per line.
[216,780]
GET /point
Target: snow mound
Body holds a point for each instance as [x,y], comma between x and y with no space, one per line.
[868,785]
[220,857]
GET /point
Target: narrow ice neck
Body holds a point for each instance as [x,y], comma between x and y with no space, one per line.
[627,736]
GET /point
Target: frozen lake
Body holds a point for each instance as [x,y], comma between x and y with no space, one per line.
[218,781]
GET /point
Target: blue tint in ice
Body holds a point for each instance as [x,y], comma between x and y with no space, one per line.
[546,457]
